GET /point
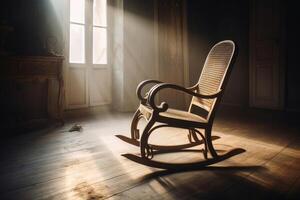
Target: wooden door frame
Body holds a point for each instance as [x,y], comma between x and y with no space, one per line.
[186,78]
[282,60]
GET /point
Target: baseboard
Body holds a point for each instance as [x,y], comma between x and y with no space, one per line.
[228,104]
[294,110]
[90,111]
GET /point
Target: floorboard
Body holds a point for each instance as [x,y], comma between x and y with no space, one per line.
[56,164]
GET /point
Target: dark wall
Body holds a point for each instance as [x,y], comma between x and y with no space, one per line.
[293,65]
[33,22]
[210,22]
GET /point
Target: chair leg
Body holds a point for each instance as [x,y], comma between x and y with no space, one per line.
[134,123]
[144,139]
[192,136]
[209,143]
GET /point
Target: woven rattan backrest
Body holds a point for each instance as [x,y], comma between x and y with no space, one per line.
[213,75]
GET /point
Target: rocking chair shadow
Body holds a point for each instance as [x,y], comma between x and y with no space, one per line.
[206,96]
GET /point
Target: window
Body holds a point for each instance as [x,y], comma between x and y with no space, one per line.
[88,73]
[81,34]
[77,32]
[99,32]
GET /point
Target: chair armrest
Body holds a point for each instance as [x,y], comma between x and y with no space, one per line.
[194,87]
[140,88]
[164,106]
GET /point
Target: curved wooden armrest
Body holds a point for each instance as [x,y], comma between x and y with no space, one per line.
[141,86]
[164,106]
[194,87]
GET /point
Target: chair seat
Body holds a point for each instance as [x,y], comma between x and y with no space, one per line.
[182,116]
[174,115]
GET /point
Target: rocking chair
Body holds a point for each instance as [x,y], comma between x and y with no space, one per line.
[206,96]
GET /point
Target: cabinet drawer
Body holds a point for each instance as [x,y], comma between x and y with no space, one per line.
[38,68]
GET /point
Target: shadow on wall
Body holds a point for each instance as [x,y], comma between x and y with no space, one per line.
[292,75]
[213,21]
[37,26]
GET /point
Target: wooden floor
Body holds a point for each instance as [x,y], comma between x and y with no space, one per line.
[57,164]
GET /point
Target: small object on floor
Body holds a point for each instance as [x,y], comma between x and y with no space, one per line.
[75,127]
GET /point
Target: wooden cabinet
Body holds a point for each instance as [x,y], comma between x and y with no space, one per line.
[32,90]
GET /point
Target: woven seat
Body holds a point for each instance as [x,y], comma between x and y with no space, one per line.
[174,114]
[182,115]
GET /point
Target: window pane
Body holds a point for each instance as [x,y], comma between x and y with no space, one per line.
[99,46]
[76,43]
[77,11]
[99,13]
